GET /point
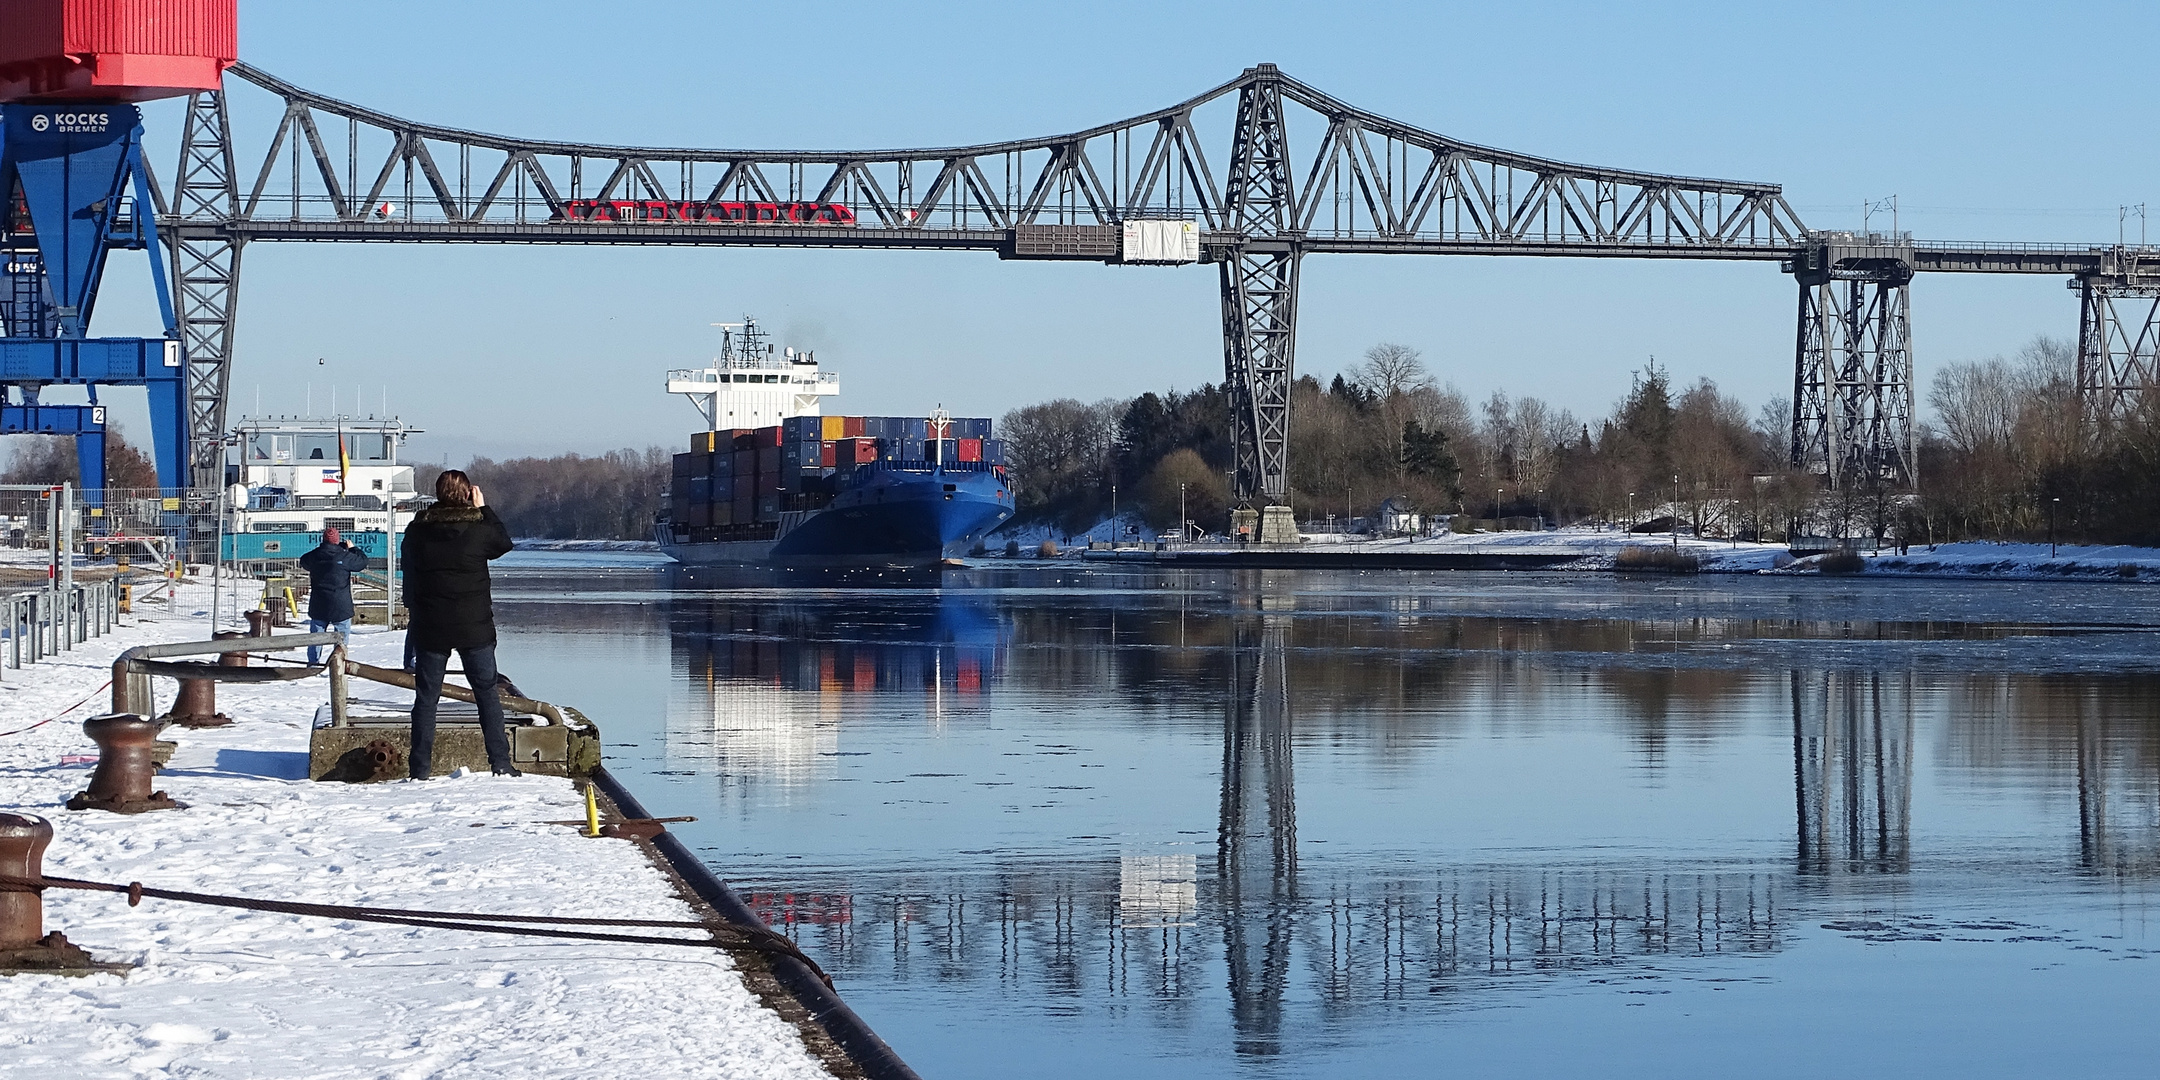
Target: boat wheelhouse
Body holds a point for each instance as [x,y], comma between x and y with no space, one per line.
[288,478]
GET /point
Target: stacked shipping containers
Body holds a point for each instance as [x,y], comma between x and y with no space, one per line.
[734,484]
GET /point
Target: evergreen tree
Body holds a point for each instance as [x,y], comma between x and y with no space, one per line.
[1426,454]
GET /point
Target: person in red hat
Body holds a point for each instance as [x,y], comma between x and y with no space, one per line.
[330,569]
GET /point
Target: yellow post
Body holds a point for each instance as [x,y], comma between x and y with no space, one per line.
[592,810]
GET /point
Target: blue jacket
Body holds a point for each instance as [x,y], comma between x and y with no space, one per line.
[330,569]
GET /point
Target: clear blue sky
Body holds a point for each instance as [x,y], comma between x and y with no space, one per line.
[1989,121]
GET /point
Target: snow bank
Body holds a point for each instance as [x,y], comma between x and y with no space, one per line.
[1987,559]
[222,993]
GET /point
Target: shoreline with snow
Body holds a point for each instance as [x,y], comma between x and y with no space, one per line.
[1600,551]
[218,992]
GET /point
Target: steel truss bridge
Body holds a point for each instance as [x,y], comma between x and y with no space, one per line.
[1266,170]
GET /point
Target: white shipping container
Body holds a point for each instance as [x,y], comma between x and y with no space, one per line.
[1161,242]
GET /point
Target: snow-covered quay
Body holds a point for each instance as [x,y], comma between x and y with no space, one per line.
[216,992]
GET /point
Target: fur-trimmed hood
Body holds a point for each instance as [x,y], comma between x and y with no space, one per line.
[448,515]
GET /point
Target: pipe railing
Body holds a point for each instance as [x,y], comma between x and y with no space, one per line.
[510,702]
[132,671]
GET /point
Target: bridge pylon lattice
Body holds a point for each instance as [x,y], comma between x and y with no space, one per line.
[206,276]
[1853,370]
[1259,291]
[2118,357]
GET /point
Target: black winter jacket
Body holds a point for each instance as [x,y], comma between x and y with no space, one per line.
[445,559]
[330,569]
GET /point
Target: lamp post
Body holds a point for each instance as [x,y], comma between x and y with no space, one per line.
[1676,511]
[1496,508]
[1631,512]
[2052,504]
[1184,524]
[1113,516]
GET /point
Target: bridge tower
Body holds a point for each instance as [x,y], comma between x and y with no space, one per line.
[2118,356]
[1852,375]
[205,276]
[1259,300]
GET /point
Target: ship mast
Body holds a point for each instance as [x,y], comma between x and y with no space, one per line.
[940,425]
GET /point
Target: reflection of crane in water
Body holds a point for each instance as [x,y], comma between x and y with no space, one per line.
[1256,848]
[1852,771]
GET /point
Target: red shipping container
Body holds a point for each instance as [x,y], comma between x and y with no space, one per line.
[828,455]
[851,427]
[865,451]
[114,50]
[971,449]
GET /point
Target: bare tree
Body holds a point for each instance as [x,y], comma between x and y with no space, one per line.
[1390,369]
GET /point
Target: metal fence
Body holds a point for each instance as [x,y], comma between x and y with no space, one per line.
[35,624]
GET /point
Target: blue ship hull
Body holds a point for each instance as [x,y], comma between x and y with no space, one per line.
[911,514]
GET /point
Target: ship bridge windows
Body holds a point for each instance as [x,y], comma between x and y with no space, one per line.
[340,502]
[270,448]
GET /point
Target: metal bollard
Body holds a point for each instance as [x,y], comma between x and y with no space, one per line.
[280,610]
[24,944]
[22,854]
[258,623]
[196,704]
[121,781]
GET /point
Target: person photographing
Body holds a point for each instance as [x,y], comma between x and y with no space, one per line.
[330,568]
[445,557]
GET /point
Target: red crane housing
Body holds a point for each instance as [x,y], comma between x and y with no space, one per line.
[114,50]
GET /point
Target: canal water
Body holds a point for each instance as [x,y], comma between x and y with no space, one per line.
[1062,822]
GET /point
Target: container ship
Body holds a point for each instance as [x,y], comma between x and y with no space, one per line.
[771,480]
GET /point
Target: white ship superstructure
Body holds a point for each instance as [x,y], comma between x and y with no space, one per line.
[751,384]
[289,477]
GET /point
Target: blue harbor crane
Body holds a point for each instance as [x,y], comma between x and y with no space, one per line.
[75,189]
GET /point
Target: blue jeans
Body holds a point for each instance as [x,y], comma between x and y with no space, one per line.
[317,626]
[480,673]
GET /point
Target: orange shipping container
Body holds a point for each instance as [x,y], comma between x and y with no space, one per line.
[832,427]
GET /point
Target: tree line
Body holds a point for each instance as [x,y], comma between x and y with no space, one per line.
[50,459]
[611,496]
[2005,449]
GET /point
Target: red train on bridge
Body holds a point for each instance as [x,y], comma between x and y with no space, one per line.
[697,212]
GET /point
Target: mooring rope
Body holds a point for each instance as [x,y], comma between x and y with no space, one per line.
[61,713]
[724,934]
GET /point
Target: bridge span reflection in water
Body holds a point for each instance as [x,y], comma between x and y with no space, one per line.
[1062,811]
